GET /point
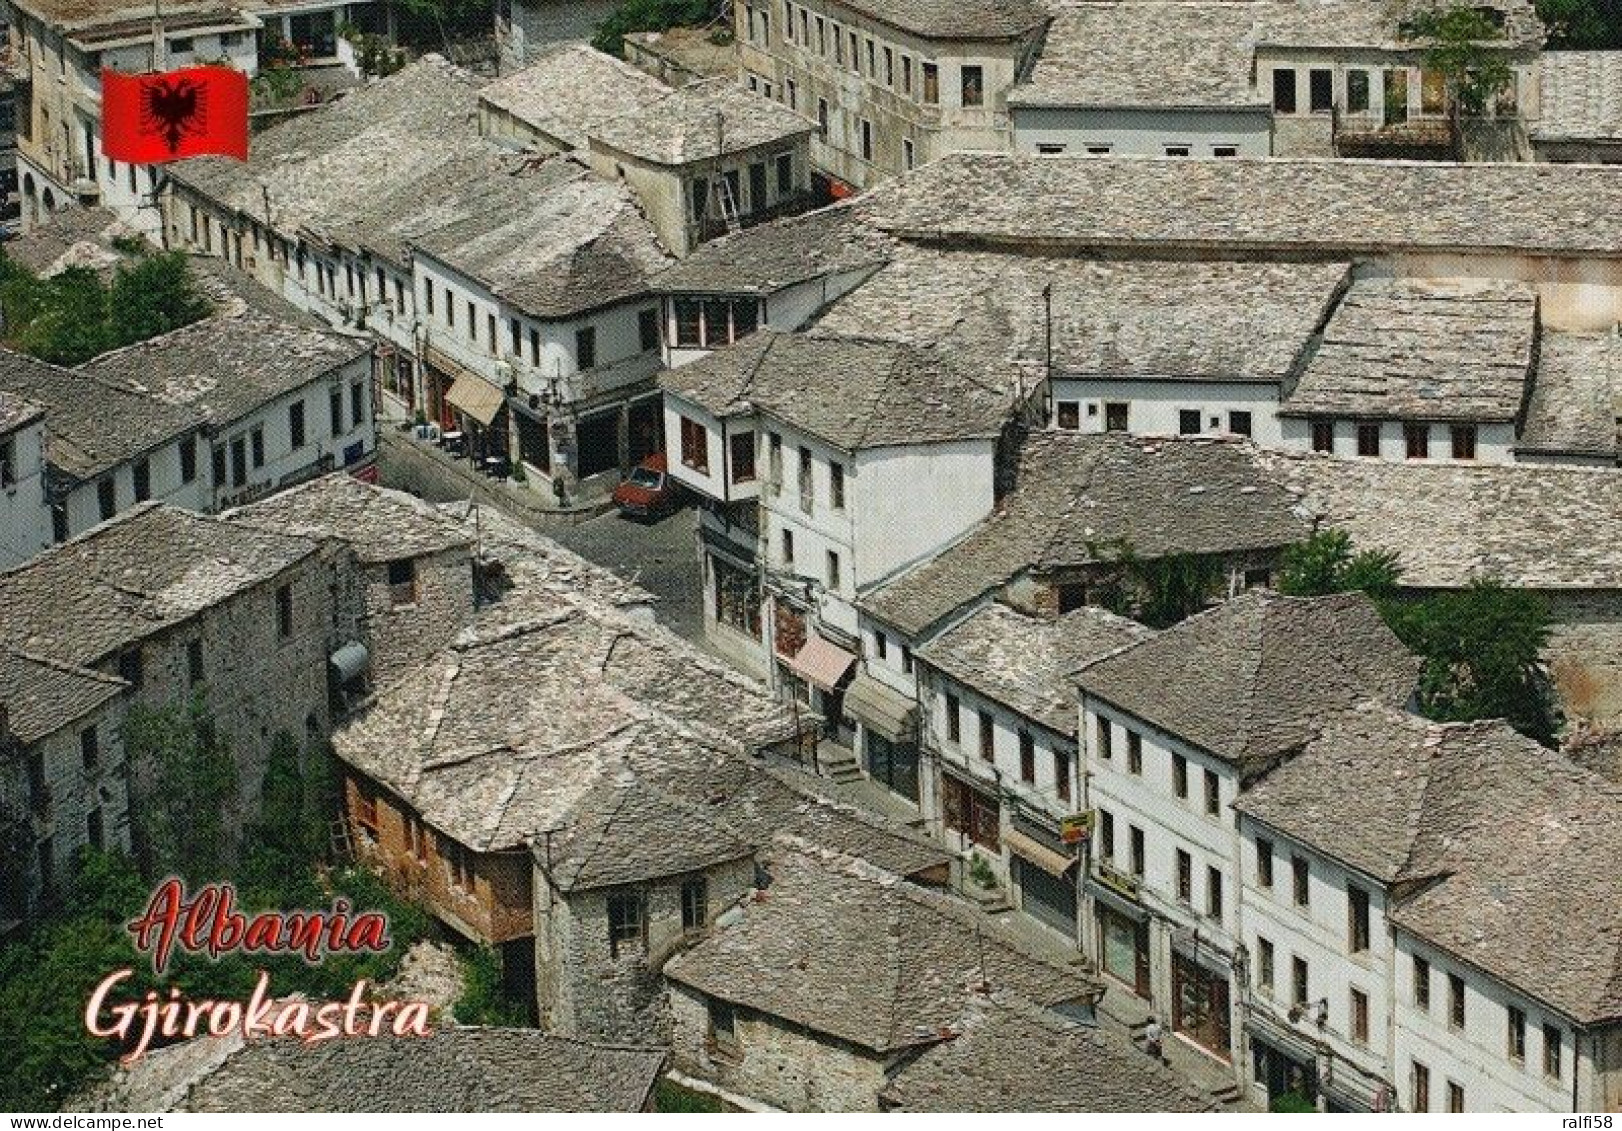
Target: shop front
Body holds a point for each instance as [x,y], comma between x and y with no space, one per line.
[888,722]
[1123,936]
[1201,1008]
[1043,872]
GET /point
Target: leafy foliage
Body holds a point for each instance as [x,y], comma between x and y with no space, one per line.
[483,1000]
[669,1096]
[185,830]
[649,15]
[1462,48]
[1159,592]
[1325,564]
[1585,25]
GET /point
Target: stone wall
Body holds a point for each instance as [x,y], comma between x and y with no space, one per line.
[1585,653]
[404,628]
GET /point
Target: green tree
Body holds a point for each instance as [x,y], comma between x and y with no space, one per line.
[1591,25]
[153,295]
[484,999]
[1158,592]
[650,15]
[1325,563]
[185,825]
[1466,46]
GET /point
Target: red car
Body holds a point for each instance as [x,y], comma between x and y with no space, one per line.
[648,491]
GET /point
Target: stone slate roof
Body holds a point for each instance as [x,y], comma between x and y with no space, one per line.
[1094,57]
[1355,793]
[1518,869]
[1341,208]
[79,14]
[381,525]
[571,90]
[1011,1056]
[955,19]
[1079,498]
[690,49]
[229,366]
[1409,349]
[39,696]
[699,122]
[1139,319]
[1528,526]
[93,423]
[854,393]
[73,237]
[458,1069]
[1576,399]
[135,575]
[15,412]
[549,237]
[1579,96]
[769,257]
[1025,663]
[854,953]
[1254,678]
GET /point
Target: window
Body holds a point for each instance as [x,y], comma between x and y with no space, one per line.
[695,903]
[1464,441]
[627,922]
[1185,877]
[357,404]
[1213,893]
[1188,422]
[808,487]
[836,486]
[932,84]
[1061,774]
[1134,752]
[954,718]
[788,550]
[1239,423]
[1179,775]
[1264,966]
[335,411]
[1432,92]
[1417,439]
[1177,151]
[142,474]
[1027,758]
[257,439]
[1303,885]
[742,445]
[93,829]
[219,465]
[1298,981]
[1050,149]
[1321,91]
[906,659]
[402,574]
[1357,91]
[428,294]
[822,36]
[1284,91]
[89,748]
[700,197]
[1323,435]
[1213,793]
[872,61]
[1135,835]
[695,447]
[284,611]
[1106,738]
[1264,863]
[723,1022]
[1422,984]
[1067,415]
[1224,151]
[1357,913]
[194,662]
[867,140]
[585,347]
[974,86]
[1455,1001]
[1455,1097]
[295,424]
[490,331]
[1099,150]
[822,114]
[785,174]
[1106,834]
[647,329]
[1360,1017]
[1551,1051]
[988,737]
[8,463]
[881,645]
[889,67]
[1421,1080]
[106,497]
[239,461]
[1115,416]
[833,570]
[366,810]
[1517,1034]
[1368,439]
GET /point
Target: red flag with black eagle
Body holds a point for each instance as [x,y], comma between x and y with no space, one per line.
[152,118]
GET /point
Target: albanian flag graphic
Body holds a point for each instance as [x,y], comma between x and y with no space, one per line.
[147,119]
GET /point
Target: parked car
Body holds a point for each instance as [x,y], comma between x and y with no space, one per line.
[648,491]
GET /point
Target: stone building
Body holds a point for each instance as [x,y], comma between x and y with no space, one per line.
[25,505]
[554,103]
[891,86]
[1579,107]
[818,987]
[525,29]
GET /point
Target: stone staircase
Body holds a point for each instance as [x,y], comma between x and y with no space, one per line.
[1223,1093]
[838,765]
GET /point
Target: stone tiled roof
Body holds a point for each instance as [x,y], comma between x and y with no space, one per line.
[1528,526]
[691,49]
[379,524]
[1151,320]
[16,412]
[1254,678]
[1341,208]
[1576,399]
[1010,1056]
[1080,498]
[1409,349]
[1025,663]
[851,952]
[549,237]
[39,696]
[854,393]
[571,90]
[1579,96]
[229,366]
[701,121]
[955,19]
[778,254]
[1518,870]
[77,14]
[73,237]
[1094,55]
[458,1069]
[1355,792]
[93,423]
[135,575]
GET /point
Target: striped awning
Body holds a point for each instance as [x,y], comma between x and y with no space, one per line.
[476,398]
[821,663]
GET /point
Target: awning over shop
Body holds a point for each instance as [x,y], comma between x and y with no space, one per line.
[476,398]
[821,663]
[1053,863]
[881,709]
